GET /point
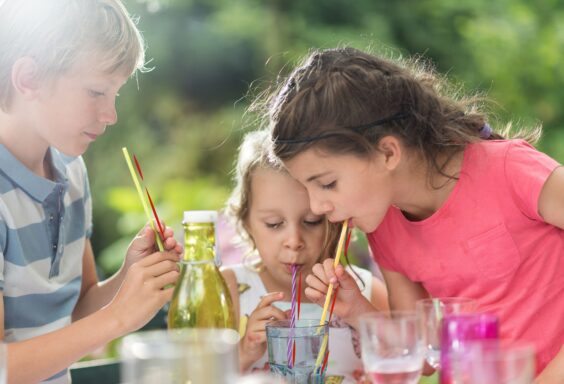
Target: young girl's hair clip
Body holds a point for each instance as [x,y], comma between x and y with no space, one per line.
[485,131]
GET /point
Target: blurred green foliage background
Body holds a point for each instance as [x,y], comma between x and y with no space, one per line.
[184,120]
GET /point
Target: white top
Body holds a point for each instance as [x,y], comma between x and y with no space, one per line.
[344,344]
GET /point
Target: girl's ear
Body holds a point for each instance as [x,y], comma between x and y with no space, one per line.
[25,79]
[390,147]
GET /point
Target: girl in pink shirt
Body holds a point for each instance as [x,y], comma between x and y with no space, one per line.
[450,207]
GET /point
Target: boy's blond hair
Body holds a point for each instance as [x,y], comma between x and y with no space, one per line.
[55,33]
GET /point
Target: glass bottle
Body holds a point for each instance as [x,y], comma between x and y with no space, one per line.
[201,298]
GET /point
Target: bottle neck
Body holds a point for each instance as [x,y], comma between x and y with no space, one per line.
[199,242]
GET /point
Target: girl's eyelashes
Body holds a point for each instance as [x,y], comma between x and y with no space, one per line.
[273,225]
[278,224]
[331,185]
[313,222]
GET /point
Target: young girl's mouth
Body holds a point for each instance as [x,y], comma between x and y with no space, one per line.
[289,267]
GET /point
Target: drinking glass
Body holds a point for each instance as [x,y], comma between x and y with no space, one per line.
[430,313]
[261,378]
[493,361]
[457,331]
[392,348]
[308,337]
[3,363]
[180,356]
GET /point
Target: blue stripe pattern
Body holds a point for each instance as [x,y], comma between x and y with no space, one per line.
[52,306]
[44,225]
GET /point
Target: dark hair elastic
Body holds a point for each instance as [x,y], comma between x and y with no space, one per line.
[357,128]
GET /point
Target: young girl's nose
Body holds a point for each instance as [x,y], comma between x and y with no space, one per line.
[294,239]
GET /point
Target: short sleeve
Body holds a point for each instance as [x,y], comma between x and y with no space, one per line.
[526,171]
[3,240]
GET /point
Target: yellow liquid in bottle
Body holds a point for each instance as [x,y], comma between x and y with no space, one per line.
[201,298]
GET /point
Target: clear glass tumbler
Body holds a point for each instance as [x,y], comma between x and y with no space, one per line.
[308,337]
[430,313]
[194,355]
[392,348]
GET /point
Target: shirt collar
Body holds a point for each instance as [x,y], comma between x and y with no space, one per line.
[36,186]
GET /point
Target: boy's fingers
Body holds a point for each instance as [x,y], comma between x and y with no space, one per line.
[166,294]
[170,243]
[156,257]
[165,279]
[144,238]
[168,231]
[161,267]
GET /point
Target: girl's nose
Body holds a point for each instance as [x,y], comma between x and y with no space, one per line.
[320,207]
[294,239]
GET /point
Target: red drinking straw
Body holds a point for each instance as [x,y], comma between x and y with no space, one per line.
[138,166]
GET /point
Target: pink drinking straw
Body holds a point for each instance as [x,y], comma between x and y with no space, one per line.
[292,315]
[299,293]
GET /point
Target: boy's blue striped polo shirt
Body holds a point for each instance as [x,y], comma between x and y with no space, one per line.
[43,228]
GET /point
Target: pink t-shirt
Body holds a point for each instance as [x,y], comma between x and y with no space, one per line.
[488,242]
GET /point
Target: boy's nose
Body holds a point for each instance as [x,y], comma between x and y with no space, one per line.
[108,115]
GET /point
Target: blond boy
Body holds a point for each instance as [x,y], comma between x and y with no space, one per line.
[62,64]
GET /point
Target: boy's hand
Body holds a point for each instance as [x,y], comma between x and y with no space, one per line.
[145,244]
[350,301]
[142,291]
[253,345]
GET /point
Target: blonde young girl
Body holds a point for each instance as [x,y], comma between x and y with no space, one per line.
[450,207]
[272,213]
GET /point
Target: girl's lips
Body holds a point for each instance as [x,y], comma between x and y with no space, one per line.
[289,267]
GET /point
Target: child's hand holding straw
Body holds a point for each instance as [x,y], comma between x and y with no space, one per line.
[350,302]
[253,344]
[144,244]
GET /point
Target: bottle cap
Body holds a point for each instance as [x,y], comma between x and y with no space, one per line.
[200,217]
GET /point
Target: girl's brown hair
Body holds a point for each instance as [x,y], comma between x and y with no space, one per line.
[345,100]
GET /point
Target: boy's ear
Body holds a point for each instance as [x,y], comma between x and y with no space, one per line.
[391,148]
[25,79]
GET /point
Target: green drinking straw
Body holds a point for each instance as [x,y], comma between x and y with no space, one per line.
[142,197]
[437,306]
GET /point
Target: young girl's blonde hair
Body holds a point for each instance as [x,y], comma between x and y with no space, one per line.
[55,33]
[256,153]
